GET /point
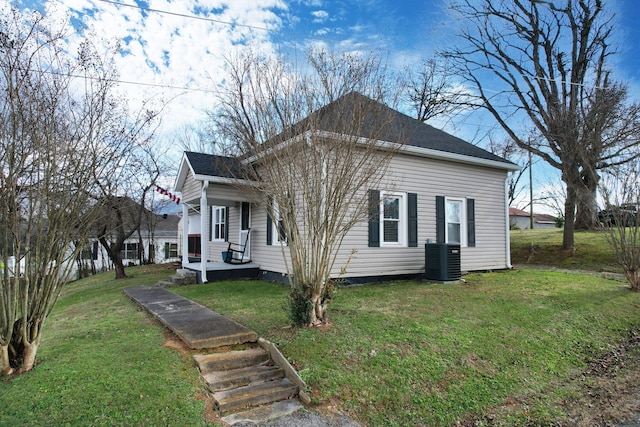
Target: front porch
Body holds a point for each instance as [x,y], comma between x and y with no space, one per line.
[224,271]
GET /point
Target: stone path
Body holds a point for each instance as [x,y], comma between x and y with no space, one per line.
[253,384]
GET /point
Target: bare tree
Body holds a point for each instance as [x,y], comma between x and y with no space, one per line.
[123,197]
[432,92]
[544,64]
[125,150]
[55,154]
[311,166]
[508,149]
[621,193]
[46,170]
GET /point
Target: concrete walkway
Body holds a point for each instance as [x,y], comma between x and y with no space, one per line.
[198,326]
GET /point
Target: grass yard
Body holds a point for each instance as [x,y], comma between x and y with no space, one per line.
[410,353]
[544,247]
[102,363]
[504,348]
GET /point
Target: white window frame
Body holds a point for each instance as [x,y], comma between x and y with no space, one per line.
[275,224]
[463,219]
[219,223]
[169,250]
[402,218]
[129,248]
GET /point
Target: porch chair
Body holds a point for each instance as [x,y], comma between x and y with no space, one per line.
[235,251]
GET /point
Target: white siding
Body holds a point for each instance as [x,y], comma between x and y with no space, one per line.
[191,190]
[430,178]
[268,256]
[408,174]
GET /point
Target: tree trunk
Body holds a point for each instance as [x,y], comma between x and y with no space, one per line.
[119,267]
[320,313]
[586,204]
[318,310]
[568,239]
[5,366]
[28,356]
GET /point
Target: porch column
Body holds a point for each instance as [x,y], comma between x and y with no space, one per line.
[185,234]
[204,212]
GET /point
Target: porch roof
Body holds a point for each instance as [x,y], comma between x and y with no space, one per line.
[208,167]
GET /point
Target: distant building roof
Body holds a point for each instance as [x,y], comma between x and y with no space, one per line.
[536,217]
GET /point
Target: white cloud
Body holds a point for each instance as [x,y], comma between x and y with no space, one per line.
[320,16]
[174,49]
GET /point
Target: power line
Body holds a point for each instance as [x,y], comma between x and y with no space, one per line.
[220,21]
[184,15]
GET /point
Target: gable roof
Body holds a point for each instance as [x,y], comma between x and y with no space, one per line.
[204,166]
[401,128]
[418,139]
[213,165]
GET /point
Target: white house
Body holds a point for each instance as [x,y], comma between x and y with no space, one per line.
[156,242]
[446,191]
[522,220]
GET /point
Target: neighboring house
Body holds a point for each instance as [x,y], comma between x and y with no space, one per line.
[156,242]
[435,176]
[521,220]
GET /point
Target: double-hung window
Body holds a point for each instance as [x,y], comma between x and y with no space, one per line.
[454,216]
[393,219]
[129,251]
[455,220]
[276,232]
[219,223]
[170,250]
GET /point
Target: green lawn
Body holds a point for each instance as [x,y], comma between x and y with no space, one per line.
[102,363]
[399,353]
[411,353]
[592,252]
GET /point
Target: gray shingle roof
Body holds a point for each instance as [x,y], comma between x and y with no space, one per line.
[398,128]
[212,165]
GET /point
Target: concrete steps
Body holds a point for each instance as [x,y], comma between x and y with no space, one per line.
[231,360]
[251,385]
[254,395]
[218,381]
[264,413]
[248,381]
[182,277]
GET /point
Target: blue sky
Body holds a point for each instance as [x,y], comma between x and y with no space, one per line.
[168,48]
[174,53]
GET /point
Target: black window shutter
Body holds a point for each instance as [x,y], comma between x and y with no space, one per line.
[269,222]
[226,224]
[440,219]
[210,223]
[413,219]
[471,222]
[374,218]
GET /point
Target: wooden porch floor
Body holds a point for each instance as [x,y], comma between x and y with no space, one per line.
[223,271]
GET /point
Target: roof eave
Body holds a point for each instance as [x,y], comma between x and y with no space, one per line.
[182,173]
[459,158]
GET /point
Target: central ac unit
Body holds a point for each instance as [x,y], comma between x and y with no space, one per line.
[442,262]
